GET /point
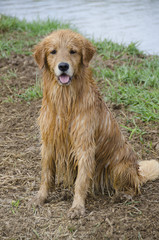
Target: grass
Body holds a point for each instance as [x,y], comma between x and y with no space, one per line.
[15,206]
[8,75]
[20,36]
[128,76]
[33,92]
[135,130]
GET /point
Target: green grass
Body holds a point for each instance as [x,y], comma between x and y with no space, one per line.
[134,130]
[128,76]
[31,93]
[35,28]
[34,92]
[19,36]
[15,206]
[109,49]
[8,75]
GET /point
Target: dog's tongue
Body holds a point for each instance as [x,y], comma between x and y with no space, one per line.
[64,79]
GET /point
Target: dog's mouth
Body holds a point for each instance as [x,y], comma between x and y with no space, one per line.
[64,79]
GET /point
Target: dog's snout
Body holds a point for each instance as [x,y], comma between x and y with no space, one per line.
[63,66]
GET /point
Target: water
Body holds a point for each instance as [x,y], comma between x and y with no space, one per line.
[122,21]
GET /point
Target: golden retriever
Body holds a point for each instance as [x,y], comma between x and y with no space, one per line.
[81,140]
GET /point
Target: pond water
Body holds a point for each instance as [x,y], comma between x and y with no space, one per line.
[122,21]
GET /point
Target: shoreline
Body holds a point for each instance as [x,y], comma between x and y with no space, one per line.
[128,75]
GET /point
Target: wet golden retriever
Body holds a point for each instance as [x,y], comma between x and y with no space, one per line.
[81,140]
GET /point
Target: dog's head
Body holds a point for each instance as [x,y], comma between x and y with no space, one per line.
[63,52]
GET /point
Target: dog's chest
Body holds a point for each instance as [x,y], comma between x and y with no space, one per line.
[61,131]
[64,154]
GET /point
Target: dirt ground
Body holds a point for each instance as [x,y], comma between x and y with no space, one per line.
[106,217]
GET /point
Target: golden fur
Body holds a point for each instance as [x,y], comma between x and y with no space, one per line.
[81,140]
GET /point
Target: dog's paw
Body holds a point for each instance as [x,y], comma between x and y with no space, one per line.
[121,197]
[76,212]
[37,201]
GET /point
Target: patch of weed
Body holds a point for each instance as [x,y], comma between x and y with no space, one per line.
[15,206]
[9,74]
[19,36]
[33,92]
[135,84]
[108,49]
[135,130]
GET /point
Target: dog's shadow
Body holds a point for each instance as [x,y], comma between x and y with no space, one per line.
[96,199]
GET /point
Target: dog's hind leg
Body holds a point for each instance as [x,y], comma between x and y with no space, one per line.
[126,179]
[47,175]
[124,172]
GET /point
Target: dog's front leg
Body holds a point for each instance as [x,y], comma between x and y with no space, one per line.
[47,174]
[86,166]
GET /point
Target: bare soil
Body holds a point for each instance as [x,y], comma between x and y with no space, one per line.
[106,217]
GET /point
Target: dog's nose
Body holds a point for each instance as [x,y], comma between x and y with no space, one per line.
[63,66]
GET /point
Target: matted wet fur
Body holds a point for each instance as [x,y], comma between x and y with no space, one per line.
[81,140]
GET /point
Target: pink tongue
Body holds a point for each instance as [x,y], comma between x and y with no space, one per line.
[64,78]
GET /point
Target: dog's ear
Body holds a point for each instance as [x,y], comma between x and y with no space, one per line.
[87,52]
[39,54]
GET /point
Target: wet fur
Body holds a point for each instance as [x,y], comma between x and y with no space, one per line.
[81,140]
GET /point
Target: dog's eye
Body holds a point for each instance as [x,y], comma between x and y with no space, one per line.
[54,52]
[72,52]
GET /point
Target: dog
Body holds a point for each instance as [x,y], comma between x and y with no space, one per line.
[81,140]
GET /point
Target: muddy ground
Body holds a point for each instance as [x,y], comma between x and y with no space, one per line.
[105,218]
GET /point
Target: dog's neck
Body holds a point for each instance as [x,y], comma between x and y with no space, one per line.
[64,98]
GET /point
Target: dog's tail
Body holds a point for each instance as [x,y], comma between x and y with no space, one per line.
[148,170]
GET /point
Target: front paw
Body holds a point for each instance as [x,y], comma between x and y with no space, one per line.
[38,200]
[76,212]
